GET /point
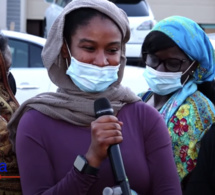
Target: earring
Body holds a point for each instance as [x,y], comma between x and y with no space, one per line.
[67,64]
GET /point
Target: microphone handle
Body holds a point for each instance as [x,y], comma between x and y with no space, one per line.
[125,187]
[118,168]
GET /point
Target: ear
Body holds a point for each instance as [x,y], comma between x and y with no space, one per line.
[64,51]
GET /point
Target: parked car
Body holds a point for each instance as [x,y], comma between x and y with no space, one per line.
[32,77]
[140,16]
[27,67]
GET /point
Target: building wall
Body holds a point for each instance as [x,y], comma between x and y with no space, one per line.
[13,15]
[35,16]
[202,11]
[23,9]
[36,9]
[32,11]
[3,11]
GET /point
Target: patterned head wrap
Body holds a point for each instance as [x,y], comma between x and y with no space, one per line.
[190,37]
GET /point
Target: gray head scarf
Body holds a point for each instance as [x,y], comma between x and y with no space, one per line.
[69,103]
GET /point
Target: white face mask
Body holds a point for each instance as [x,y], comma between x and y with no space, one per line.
[164,83]
[91,78]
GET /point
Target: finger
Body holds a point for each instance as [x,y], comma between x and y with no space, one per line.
[112,140]
[109,126]
[105,126]
[108,133]
[106,138]
[107,118]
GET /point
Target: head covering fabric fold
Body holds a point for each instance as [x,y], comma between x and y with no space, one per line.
[69,103]
[51,56]
[191,38]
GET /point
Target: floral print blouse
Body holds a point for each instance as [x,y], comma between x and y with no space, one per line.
[186,127]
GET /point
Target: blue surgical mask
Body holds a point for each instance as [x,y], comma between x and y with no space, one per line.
[162,83]
[91,78]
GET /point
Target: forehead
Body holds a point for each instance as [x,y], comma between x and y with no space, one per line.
[99,27]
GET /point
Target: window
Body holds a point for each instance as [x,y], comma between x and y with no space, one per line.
[134,9]
[19,53]
[35,56]
[25,55]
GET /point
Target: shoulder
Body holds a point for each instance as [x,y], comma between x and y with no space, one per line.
[199,101]
[145,95]
[197,108]
[34,127]
[34,116]
[141,114]
[33,122]
[199,96]
[139,108]
[145,122]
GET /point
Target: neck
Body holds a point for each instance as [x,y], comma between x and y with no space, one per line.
[157,101]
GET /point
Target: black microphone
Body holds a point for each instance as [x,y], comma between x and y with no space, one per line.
[102,107]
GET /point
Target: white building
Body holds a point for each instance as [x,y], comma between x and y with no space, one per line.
[201,11]
[22,15]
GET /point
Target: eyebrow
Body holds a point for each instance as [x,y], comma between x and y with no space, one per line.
[91,41]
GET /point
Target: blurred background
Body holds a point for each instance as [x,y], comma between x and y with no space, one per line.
[28,15]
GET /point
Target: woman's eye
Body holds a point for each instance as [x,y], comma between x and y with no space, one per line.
[89,48]
[113,50]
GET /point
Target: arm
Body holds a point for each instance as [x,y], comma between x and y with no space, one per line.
[164,177]
[36,171]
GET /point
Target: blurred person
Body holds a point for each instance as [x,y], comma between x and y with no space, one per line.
[208,89]
[203,175]
[5,49]
[180,60]
[8,105]
[54,132]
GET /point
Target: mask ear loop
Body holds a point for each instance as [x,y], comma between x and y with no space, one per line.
[188,75]
[186,80]
[67,63]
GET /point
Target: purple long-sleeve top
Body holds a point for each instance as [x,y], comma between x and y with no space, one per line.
[46,149]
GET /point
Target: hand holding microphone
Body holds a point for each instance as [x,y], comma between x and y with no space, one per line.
[102,107]
[105,131]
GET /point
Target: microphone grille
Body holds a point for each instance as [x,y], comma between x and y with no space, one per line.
[102,106]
